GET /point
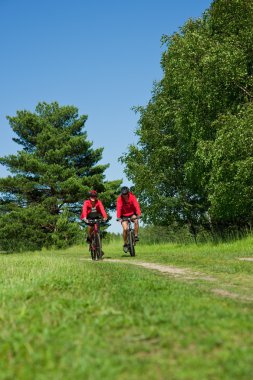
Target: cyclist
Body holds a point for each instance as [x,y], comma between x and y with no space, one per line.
[128,206]
[92,208]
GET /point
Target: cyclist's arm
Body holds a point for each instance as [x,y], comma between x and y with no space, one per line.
[119,207]
[102,210]
[136,206]
[84,211]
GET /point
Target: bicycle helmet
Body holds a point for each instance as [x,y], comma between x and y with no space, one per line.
[124,190]
[93,194]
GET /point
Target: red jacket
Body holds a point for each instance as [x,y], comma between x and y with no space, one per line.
[128,207]
[87,208]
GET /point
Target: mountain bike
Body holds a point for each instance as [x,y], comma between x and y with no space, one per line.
[130,234]
[96,238]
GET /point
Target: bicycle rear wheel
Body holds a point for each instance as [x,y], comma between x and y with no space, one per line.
[131,243]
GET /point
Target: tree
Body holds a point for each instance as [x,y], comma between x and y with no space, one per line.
[41,201]
[208,72]
[231,180]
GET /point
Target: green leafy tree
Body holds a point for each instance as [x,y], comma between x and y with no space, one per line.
[208,72]
[231,180]
[51,175]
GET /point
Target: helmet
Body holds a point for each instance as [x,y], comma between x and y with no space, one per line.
[93,194]
[124,190]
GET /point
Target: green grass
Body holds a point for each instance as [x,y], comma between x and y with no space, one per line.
[65,317]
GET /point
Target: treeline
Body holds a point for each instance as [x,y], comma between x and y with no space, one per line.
[192,168]
[193,163]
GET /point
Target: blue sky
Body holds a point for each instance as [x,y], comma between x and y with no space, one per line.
[101,56]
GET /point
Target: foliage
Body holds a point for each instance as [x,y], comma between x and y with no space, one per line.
[41,201]
[151,234]
[205,91]
[231,180]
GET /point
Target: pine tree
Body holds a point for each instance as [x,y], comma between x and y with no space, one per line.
[41,201]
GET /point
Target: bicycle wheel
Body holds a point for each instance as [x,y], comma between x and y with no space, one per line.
[93,250]
[98,247]
[131,243]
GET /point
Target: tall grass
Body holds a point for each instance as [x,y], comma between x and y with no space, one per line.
[182,235]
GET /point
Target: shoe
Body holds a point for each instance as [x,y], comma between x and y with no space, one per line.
[136,238]
[125,248]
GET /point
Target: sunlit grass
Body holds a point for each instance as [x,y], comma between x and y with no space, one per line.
[65,317]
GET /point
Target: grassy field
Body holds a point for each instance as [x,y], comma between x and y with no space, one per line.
[65,317]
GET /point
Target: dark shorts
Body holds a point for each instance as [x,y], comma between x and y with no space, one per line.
[94,215]
[129,216]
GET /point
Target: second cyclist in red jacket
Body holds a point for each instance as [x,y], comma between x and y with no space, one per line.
[128,206]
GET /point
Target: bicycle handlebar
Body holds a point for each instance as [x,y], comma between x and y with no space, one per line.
[128,218]
[99,221]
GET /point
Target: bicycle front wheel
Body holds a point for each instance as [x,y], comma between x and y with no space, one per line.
[131,243]
[98,247]
[93,248]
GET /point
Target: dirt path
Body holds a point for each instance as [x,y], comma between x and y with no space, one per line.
[181,273]
[185,273]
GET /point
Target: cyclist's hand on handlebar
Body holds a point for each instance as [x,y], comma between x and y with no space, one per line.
[104,219]
[85,220]
[119,219]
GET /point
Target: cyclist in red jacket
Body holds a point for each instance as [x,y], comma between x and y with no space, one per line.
[128,206]
[92,208]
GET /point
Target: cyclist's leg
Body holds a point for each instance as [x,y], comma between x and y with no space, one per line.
[136,229]
[90,231]
[125,226]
